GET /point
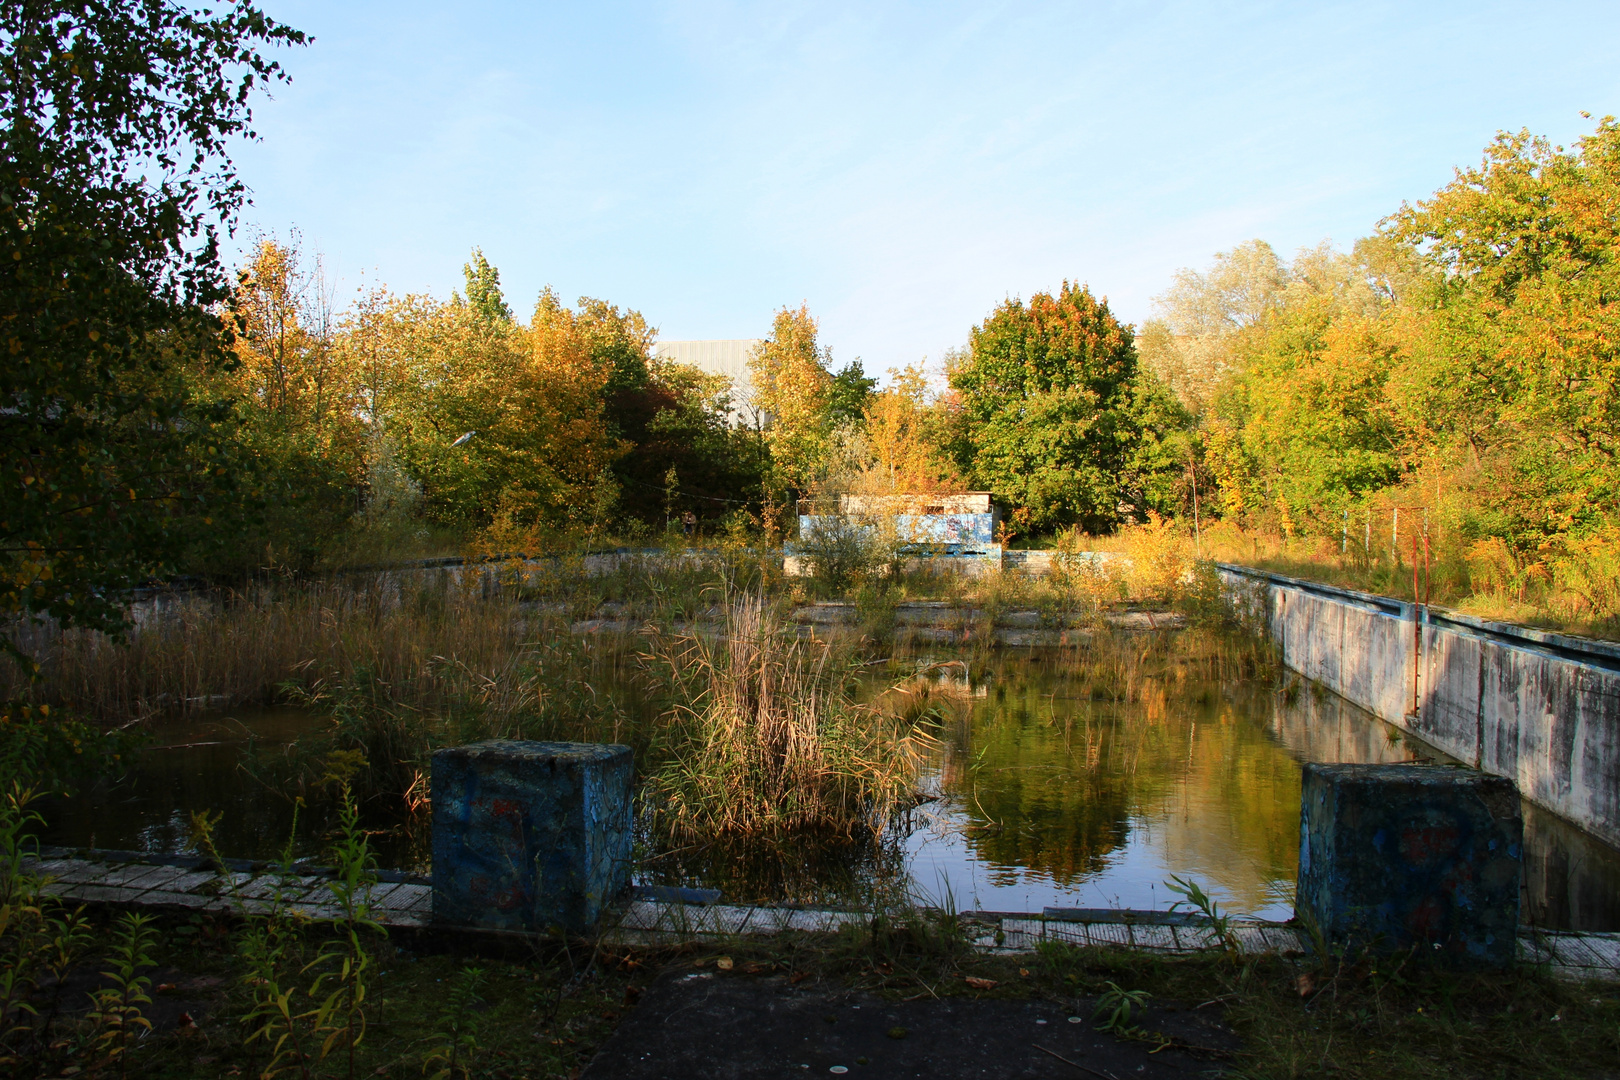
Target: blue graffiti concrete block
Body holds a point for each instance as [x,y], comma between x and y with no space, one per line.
[530,836]
[1396,855]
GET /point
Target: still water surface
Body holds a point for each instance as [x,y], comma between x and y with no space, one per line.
[1040,795]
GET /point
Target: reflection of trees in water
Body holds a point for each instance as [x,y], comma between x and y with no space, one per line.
[1235,818]
[1048,779]
[1052,779]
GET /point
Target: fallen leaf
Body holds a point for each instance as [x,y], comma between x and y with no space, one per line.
[978,983]
[1023,973]
[798,977]
[163,988]
[724,963]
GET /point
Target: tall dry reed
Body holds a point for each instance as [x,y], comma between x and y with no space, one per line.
[203,652]
[767,737]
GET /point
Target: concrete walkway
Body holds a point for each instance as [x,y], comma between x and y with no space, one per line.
[405,902]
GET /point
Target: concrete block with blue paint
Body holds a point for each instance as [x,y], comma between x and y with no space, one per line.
[530,836]
[1392,856]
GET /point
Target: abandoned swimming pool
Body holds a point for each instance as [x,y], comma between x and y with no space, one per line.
[1039,793]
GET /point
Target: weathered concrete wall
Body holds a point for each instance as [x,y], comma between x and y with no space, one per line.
[1539,708]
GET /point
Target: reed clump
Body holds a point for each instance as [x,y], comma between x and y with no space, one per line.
[767,736]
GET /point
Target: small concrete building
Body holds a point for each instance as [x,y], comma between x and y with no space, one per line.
[957,531]
[728,357]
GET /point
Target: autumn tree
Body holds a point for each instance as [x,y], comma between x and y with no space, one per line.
[532,398]
[299,408]
[1511,362]
[792,386]
[905,433]
[115,188]
[1046,399]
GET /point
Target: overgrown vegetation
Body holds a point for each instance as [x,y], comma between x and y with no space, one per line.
[543,1015]
[767,736]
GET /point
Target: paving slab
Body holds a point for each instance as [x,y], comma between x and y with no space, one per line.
[412,898]
[160,898]
[1157,938]
[822,922]
[269,886]
[1568,954]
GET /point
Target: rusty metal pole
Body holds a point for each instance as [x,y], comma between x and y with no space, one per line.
[1198,531]
[1417,626]
[1425,564]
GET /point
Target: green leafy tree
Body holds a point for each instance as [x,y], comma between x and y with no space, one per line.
[1044,398]
[114,191]
[849,394]
[484,295]
[1513,366]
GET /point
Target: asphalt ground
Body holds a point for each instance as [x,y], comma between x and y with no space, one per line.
[726,1026]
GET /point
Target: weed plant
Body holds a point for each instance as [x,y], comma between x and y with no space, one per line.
[119,1005]
[455,1040]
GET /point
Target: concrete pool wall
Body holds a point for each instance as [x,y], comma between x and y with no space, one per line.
[1540,708]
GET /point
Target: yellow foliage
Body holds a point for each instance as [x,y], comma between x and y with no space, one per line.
[902,448]
[791,384]
[1159,559]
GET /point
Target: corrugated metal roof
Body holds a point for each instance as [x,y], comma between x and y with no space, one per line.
[722,356]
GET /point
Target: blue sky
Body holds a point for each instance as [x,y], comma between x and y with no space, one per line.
[902,168]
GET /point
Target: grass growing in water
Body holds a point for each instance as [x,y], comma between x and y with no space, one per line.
[767,736]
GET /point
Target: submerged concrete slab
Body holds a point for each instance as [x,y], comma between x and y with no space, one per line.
[1392,856]
[530,836]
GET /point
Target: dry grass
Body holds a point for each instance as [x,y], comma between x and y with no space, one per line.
[767,736]
[398,664]
[199,653]
[1571,585]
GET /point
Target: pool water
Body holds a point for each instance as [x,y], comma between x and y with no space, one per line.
[1039,793]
